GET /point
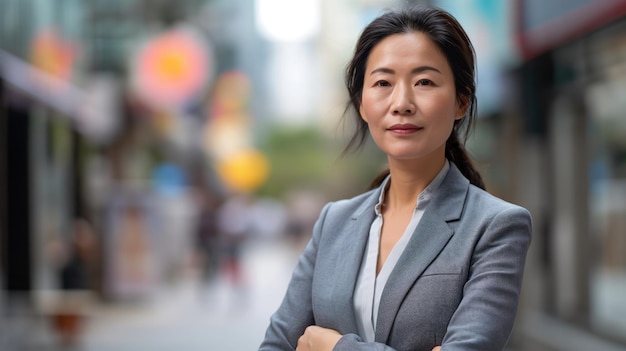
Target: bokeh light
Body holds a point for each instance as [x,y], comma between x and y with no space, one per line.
[172,68]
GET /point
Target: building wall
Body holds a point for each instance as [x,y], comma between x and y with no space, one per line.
[576,278]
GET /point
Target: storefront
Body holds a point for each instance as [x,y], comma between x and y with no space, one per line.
[572,98]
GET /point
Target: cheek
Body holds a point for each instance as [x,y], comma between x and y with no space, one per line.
[371,108]
[445,108]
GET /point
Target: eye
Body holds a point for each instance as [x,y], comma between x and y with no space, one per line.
[382,83]
[424,82]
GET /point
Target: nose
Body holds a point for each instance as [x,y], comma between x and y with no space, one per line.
[403,100]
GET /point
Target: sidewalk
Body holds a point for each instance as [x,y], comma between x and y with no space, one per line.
[191,317]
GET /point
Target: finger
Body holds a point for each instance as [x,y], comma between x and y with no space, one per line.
[302,345]
[436,348]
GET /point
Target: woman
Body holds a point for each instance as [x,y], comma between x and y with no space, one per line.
[427,259]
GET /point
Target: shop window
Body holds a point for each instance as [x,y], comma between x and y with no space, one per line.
[607,195]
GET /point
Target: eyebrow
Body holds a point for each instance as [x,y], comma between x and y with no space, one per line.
[419,69]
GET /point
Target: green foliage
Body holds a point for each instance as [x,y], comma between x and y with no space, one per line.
[298,158]
[305,158]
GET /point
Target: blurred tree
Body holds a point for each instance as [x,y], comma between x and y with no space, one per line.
[305,158]
[298,158]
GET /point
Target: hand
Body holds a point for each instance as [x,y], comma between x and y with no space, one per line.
[436,348]
[318,339]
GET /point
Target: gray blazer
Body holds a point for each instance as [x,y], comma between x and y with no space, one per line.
[457,283]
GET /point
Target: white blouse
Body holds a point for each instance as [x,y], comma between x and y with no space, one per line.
[369,287]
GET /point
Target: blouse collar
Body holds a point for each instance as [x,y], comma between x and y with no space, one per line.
[424,197]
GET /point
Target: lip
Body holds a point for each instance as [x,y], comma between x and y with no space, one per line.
[405,128]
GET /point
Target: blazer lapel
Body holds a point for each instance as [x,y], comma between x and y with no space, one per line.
[349,264]
[430,237]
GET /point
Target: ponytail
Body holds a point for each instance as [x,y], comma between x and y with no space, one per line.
[455,152]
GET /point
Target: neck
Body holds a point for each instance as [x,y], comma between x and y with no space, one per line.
[408,180]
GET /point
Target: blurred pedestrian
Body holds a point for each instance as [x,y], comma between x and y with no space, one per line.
[303,208]
[234,225]
[77,263]
[426,259]
[207,239]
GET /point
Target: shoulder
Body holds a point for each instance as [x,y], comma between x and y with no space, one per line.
[483,204]
[351,206]
[338,217]
[457,199]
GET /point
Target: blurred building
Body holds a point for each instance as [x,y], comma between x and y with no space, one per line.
[77,144]
[571,171]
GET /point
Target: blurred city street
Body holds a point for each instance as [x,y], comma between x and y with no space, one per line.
[191,315]
[162,163]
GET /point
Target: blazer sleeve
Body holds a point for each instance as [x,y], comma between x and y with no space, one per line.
[352,342]
[295,312]
[484,318]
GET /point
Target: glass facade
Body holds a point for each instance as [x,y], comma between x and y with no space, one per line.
[607,178]
[582,234]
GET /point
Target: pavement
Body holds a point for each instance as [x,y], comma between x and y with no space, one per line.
[193,315]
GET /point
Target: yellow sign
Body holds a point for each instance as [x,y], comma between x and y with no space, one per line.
[244,171]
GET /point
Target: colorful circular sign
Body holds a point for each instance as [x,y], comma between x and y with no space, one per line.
[172,69]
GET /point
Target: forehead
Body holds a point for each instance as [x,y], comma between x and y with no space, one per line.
[414,48]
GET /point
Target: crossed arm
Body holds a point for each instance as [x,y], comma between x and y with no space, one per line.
[322,339]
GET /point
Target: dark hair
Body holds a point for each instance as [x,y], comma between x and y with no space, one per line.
[446,32]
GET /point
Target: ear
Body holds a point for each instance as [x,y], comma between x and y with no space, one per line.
[363,117]
[462,106]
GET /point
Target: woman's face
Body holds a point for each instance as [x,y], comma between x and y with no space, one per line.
[409,99]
